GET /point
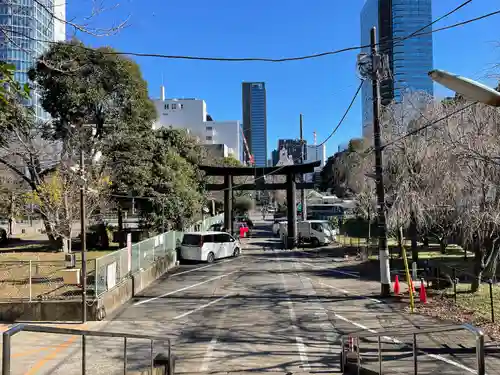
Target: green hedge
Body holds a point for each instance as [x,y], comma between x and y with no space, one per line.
[357,227]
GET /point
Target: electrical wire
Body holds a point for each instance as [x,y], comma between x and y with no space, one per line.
[417,32]
[344,116]
[321,144]
[272,60]
[426,126]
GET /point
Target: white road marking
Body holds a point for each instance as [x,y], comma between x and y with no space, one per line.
[201,307]
[203,267]
[320,311]
[394,340]
[185,288]
[211,346]
[293,317]
[208,354]
[356,275]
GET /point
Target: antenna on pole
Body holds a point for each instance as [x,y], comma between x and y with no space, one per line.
[162,88]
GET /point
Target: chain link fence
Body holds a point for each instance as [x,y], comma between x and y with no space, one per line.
[36,280]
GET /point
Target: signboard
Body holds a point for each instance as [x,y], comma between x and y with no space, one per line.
[111,275]
[129,252]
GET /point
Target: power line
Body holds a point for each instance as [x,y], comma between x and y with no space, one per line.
[426,126]
[272,60]
[417,32]
[344,116]
[433,22]
[322,143]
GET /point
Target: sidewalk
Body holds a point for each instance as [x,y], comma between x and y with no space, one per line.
[30,351]
[443,353]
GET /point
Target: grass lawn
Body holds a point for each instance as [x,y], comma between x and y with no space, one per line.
[476,307]
[470,307]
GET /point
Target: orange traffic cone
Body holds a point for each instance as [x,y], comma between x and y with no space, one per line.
[396,285]
[423,293]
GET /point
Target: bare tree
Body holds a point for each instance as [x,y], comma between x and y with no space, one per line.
[473,140]
[44,166]
[408,163]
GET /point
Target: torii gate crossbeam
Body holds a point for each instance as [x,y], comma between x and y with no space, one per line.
[290,171]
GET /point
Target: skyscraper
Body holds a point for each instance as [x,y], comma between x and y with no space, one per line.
[409,60]
[28,27]
[294,149]
[255,120]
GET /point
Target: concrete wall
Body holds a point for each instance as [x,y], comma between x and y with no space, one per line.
[71,310]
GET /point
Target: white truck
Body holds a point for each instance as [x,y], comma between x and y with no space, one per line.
[316,232]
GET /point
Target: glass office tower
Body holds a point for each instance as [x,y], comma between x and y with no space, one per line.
[409,60]
[28,28]
[255,120]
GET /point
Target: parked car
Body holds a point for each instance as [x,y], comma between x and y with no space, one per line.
[219,227]
[209,246]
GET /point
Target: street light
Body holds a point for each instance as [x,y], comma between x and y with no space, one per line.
[469,88]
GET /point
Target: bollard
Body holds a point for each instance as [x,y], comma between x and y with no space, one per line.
[492,305]
[455,282]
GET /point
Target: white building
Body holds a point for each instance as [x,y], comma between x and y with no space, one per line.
[316,153]
[191,114]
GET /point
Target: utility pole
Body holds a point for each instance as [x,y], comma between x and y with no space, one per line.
[376,60]
[302,157]
[83,231]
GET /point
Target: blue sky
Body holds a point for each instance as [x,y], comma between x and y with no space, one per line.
[321,88]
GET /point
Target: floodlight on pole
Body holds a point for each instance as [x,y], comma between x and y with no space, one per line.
[469,88]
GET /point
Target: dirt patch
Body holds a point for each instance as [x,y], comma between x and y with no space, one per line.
[39,275]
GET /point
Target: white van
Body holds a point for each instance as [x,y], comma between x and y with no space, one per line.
[209,246]
[316,232]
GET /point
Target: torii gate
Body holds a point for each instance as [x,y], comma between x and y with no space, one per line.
[290,171]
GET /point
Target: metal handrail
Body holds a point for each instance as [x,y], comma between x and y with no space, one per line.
[477,332]
[7,335]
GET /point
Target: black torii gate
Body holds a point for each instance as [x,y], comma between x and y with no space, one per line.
[290,171]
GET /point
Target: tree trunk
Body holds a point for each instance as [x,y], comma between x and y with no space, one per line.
[400,242]
[49,230]
[490,263]
[413,237]
[478,265]
[66,245]
[12,219]
[443,244]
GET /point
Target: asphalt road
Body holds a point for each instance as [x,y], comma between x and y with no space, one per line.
[266,311]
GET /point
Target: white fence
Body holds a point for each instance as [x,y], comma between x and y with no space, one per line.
[113,268]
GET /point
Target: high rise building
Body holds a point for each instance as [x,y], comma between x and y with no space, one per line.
[409,60]
[28,28]
[293,148]
[316,153]
[275,156]
[255,120]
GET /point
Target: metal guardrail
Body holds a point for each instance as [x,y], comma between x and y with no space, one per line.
[7,335]
[388,335]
